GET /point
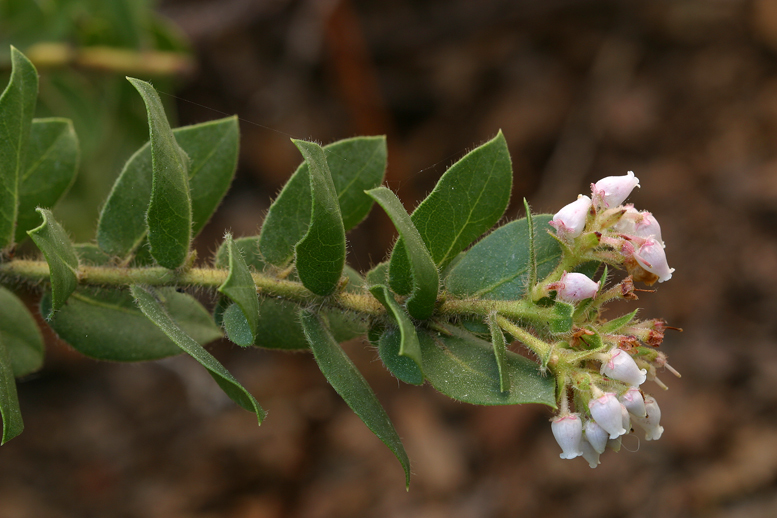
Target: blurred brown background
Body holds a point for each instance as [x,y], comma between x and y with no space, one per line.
[682,92]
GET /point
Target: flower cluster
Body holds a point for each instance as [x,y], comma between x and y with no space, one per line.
[603,364]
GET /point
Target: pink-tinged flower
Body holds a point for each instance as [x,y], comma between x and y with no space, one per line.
[634,402]
[568,431]
[574,287]
[639,224]
[619,365]
[650,424]
[613,190]
[606,411]
[569,222]
[595,435]
[651,257]
[590,454]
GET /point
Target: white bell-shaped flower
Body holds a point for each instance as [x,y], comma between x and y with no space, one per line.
[638,223]
[568,431]
[606,411]
[590,454]
[595,435]
[651,257]
[613,190]
[574,287]
[569,222]
[634,402]
[619,365]
[650,424]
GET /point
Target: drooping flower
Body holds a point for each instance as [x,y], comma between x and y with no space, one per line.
[619,365]
[595,435]
[574,287]
[650,424]
[634,402]
[568,431]
[651,256]
[606,411]
[613,190]
[590,453]
[640,224]
[569,222]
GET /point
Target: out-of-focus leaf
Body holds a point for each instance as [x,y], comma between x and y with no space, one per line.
[423,272]
[169,216]
[355,164]
[463,367]
[53,241]
[321,253]
[9,401]
[467,201]
[20,335]
[50,168]
[17,106]
[154,309]
[240,287]
[341,373]
[107,325]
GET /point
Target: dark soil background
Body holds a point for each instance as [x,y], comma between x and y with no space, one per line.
[682,92]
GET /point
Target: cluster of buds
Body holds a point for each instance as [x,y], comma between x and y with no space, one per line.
[604,379]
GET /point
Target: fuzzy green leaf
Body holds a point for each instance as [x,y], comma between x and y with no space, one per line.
[240,287]
[423,272]
[615,324]
[356,164]
[169,216]
[17,106]
[107,325]
[341,373]
[50,169]
[55,244]
[249,249]
[20,334]
[498,267]
[408,346]
[321,252]
[463,367]
[378,275]
[9,401]
[467,201]
[500,353]
[153,307]
[404,368]
[212,149]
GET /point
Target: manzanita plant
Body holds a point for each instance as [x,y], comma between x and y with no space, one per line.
[437,310]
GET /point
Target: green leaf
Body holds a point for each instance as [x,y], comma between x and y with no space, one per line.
[409,343]
[240,287]
[561,321]
[50,169]
[615,324]
[593,341]
[9,401]
[498,266]
[378,275]
[169,216]
[321,253]
[463,367]
[249,249]
[404,368]
[20,334]
[532,248]
[212,149]
[356,164]
[500,353]
[423,272]
[106,324]
[53,241]
[17,106]
[151,306]
[467,201]
[341,373]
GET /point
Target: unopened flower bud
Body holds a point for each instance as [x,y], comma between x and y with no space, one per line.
[606,411]
[651,257]
[619,365]
[590,454]
[634,402]
[639,224]
[574,287]
[568,431]
[650,424]
[613,190]
[595,435]
[569,222]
